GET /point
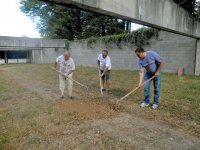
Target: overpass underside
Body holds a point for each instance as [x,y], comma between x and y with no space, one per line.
[29,50]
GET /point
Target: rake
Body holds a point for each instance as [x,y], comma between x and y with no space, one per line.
[100,81]
[82,85]
[124,97]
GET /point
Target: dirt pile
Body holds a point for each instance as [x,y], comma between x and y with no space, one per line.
[86,110]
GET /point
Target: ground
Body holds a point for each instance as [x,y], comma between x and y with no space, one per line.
[32,115]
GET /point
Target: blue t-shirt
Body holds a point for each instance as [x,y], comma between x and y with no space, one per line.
[150,62]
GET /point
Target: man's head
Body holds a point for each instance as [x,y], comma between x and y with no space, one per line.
[140,52]
[104,53]
[67,55]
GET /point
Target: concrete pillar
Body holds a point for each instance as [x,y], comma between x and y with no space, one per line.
[6,58]
[197,65]
[33,57]
[41,56]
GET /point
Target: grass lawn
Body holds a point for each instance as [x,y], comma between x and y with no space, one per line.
[33,117]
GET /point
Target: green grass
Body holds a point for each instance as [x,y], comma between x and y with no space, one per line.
[25,115]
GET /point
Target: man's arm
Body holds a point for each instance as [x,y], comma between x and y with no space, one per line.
[160,61]
[73,67]
[160,66]
[71,71]
[98,64]
[141,76]
[105,70]
[108,64]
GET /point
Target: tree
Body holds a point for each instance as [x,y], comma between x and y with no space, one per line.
[55,21]
[102,25]
[193,6]
[197,13]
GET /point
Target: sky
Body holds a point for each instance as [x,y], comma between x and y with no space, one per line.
[15,23]
[135,26]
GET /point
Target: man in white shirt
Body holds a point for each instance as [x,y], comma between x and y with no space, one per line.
[67,67]
[104,65]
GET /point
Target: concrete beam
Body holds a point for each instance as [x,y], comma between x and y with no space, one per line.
[161,14]
[28,43]
[197,65]
[18,48]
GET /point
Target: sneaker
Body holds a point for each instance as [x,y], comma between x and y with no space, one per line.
[154,106]
[144,105]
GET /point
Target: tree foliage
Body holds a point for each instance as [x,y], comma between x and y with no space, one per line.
[193,6]
[138,37]
[55,21]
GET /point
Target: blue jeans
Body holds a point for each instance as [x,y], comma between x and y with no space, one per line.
[157,86]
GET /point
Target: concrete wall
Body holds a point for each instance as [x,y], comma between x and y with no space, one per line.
[197,66]
[46,55]
[176,50]
[26,43]
[162,14]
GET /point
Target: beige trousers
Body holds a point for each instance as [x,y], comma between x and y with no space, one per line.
[69,84]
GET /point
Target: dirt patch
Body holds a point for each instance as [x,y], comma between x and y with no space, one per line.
[86,110]
[116,106]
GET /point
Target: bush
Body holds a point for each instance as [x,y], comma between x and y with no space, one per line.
[138,37]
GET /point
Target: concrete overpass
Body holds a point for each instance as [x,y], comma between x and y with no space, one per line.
[39,50]
[161,14]
[7,42]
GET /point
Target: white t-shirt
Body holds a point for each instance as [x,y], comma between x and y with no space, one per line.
[104,62]
[65,66]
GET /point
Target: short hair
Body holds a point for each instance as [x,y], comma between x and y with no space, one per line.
[106,51]
[139,50]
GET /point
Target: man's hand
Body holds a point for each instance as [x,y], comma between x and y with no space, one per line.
[65,74]
[139,85]
[102,75]
[157,73]
[70,72]
[159,68]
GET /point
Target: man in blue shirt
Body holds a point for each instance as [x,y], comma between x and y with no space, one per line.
[149,64]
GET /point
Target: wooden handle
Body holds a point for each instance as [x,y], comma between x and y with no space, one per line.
[71,79]
[121,99]
[100,81]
